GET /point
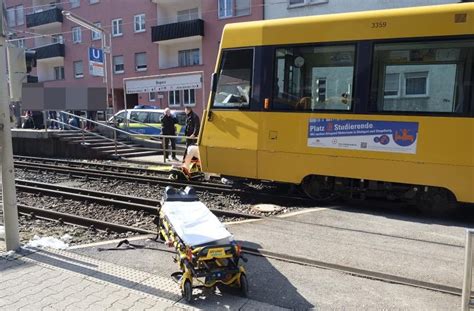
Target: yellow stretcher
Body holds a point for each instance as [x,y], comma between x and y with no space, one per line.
[206,252]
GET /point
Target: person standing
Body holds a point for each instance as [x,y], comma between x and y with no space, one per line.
[191,129]
[29,122]
[168,122]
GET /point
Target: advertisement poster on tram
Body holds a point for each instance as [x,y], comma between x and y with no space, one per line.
[385,136]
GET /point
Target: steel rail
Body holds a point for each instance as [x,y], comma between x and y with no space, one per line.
[373,275]
[79,171]
[78,220]
[110,167]
[214,188]
[128,202]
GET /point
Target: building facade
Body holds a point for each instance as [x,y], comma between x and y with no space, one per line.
[158,37]
[292,8]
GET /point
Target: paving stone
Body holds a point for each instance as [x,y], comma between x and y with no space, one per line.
[58,280]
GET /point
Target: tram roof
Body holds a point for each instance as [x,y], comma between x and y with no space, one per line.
[424,21]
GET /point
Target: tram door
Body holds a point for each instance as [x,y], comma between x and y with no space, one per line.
[229,138]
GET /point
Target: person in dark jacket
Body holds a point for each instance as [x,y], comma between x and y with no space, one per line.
[29,122]
[191,128]
[168,122]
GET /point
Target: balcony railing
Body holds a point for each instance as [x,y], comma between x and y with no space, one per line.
[45,17]
[49,51]
[177,30]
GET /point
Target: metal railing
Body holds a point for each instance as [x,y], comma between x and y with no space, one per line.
[119,133]
[467,302]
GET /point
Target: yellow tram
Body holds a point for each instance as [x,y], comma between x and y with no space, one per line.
[377,103]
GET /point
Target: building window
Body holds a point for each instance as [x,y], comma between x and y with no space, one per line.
[189,97]
[225,8]
[11,20]
[139,23]
[117,27]
[57,39]
[78,70]
[233,8]
[93,1]
[95,34]
[76,35]
[188,15]
[188,57]
[173,98]
[296,3]
[152,96]
[15,16]
[118,64]
[75,3]
[392,85]
[20,15]
[140,61]
[59,73]
[416,84]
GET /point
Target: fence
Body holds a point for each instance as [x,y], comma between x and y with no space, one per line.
[118,133]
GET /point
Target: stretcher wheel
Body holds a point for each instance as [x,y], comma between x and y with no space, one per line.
[244,285]
[187,291]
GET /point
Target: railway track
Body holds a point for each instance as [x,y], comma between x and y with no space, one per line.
[373,275]
[123,201]
[78,220]
[140,171]
[139,177]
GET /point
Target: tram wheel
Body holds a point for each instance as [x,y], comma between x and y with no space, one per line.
[437,202]
[319,188]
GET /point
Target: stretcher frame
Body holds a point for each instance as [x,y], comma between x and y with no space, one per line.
[204,266]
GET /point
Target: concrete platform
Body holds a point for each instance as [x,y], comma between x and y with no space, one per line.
[35,279]
[388,243]
[34,134]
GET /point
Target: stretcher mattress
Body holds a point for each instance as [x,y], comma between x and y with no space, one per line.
[195,224]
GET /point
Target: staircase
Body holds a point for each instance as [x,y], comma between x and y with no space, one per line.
[103,147]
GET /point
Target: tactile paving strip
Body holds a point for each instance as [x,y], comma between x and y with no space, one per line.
[108,273]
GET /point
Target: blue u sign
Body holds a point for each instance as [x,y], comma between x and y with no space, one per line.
[96,55]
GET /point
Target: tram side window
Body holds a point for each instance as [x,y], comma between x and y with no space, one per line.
[311,78]
[422,76]
[235,79]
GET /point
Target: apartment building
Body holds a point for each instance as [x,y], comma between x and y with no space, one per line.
[292,8]
[157,37]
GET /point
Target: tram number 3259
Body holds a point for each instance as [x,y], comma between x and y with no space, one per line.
[379,25]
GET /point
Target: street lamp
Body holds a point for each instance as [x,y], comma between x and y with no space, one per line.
[106,49]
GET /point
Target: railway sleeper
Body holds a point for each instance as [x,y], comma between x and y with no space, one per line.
[428,199]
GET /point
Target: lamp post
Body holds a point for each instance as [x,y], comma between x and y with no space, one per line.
[107,49]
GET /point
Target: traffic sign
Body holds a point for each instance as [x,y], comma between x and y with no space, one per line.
[96,62]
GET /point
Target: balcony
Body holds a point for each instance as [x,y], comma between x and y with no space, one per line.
[49,51]
[177,30]
[43,18]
